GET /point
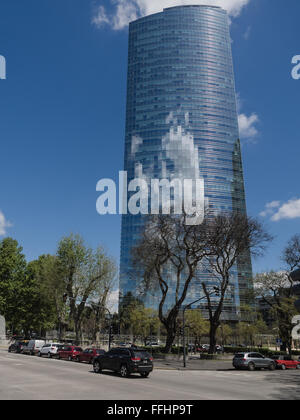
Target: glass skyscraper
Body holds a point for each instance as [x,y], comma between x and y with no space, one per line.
[181,122]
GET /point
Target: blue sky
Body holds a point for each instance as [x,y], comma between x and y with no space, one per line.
[62,115]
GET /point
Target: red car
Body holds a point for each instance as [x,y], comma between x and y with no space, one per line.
[285,362]
[88,355]
[69,352]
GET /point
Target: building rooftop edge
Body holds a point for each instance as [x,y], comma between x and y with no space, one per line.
[194,5]
[180,7]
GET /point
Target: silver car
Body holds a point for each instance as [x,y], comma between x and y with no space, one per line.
[252,361]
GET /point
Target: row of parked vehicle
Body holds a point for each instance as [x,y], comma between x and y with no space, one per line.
[122,360]
[253,361]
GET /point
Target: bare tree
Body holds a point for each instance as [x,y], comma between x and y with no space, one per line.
[276,289]
[291,254]
[166,259]
[231,239]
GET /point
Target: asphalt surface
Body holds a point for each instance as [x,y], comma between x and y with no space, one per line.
[25,377]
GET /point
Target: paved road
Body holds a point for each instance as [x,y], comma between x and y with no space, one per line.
[27,378]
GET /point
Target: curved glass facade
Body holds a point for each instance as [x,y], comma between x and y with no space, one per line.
[182,121]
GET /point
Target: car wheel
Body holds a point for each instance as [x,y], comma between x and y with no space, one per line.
[272,366]
[298,366]
[40,354]
[283,367]
[145,374]
[97,367]
[77,359]
[58,356]
[49,355]
[251,367]
[70,358]
[124,371]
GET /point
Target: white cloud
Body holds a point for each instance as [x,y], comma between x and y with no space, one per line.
[247,33]
[278,211]
[247,126]
[4,224]
[270,208]
[289,210]
[126,11]
[113,301]
[100,17]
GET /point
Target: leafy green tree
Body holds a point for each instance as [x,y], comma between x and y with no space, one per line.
[198,326]
[144,321]
[13,283]
[47,306]
[128,303]
[224,332]
[82,272]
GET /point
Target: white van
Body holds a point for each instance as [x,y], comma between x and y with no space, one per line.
[33,347]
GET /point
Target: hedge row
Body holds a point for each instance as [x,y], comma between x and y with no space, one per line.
[229,350]
[160,349]
[264,351]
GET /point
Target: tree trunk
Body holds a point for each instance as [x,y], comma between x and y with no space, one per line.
[78,331]
[212,338]
[170,340]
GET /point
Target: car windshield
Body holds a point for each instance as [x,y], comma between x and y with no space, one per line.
[78,349]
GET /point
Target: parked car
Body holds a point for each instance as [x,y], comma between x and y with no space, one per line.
[50,350]
[33,347]
[18,346]
[286,362]
[69,352]
[124,344]
[252,361]
[125,361]
[203,348]
[191,348]
[153,344]
[88,355]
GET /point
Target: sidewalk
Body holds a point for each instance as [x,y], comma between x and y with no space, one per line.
[193,363]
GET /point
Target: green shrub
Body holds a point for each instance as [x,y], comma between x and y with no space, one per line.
[264,351]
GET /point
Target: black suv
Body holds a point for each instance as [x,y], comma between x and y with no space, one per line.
[125,361]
